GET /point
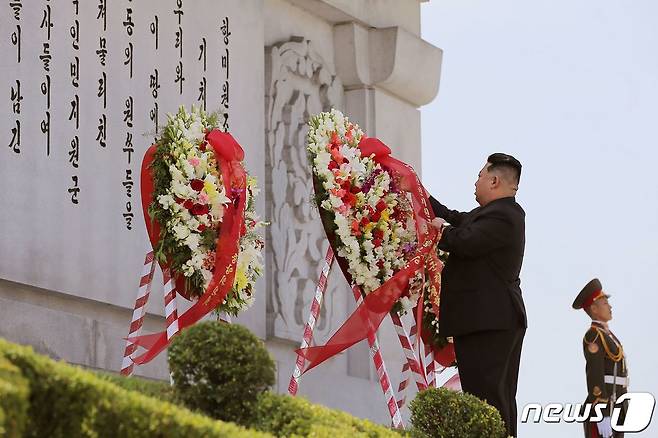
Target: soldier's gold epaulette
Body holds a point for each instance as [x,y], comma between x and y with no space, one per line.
[591,336]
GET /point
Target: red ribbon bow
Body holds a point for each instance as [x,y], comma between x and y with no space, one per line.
[230,155]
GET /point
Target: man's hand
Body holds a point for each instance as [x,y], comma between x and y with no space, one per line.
[439,223]
[604,427]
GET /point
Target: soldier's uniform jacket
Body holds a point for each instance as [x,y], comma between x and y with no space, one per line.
[607,374]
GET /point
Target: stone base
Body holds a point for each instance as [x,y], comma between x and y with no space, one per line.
[80,331]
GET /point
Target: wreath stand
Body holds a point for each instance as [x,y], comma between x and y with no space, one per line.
[424,376]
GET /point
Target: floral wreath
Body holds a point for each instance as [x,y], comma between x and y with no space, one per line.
[188,202]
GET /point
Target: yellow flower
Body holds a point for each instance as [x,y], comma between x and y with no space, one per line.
[210,189]
[369,227]
[241,279]
[384,215]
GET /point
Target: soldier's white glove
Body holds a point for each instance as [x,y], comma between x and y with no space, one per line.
[604,427]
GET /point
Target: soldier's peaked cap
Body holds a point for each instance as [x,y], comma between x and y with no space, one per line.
[590,293]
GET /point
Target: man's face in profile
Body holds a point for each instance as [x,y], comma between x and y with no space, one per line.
[483,185]
[601,310]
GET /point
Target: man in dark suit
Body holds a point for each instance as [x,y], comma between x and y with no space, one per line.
[481,306]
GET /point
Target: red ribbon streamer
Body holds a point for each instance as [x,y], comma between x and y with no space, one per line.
[368,316]
[230,155]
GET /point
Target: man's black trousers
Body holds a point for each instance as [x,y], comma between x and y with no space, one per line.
[488,363]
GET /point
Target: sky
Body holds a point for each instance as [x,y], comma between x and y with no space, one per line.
[570,88]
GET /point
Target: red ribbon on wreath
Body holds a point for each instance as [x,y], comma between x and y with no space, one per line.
[368,316]
[229,156]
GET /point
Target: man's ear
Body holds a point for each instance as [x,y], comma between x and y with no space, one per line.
[495,181]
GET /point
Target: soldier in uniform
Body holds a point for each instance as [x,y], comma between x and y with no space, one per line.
[607,375]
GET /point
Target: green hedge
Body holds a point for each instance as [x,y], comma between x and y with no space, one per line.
[285,416]
[158,389]
[440,413]
[41,397]
[14,392]
[65,401]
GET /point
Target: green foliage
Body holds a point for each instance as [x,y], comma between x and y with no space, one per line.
[285,416]
[440,413]
[14,392]
[157,389]
[220,369]
[65,401]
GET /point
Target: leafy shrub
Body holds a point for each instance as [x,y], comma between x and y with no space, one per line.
[65,401]
[220,369]
[285,416]
[158,389]
[440,413]
[13,400]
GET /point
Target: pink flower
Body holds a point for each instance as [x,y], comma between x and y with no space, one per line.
[194,161]
[343,209]
[203,198]
[338,192]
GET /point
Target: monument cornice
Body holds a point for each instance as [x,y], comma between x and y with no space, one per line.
[389,58]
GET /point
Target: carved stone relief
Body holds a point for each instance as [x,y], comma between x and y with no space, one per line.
[298,84]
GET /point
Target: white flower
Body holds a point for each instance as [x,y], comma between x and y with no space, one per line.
[188,169]
[182,190]
[181,231]
[217,211]
[166,201]
[176,174]
[207,275]
[195,131]
[335,201]
[407,304]
[192,241]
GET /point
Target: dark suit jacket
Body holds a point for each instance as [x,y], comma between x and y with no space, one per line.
[480,287]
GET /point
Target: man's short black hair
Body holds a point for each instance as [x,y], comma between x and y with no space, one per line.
[505,162]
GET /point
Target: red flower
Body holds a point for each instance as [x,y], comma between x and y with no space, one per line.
[201,228]
[375,217]
[178,200]
[332,165]
[335,140]
[198,209]
[364,221]
[349,199]
[202,146]
[378,234]
[196,184]
[355,190]
[188,204]
[381,206]
[377,242]
[355,228]
[380,264]
[335,153]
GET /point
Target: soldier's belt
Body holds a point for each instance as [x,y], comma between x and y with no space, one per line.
[622,381]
